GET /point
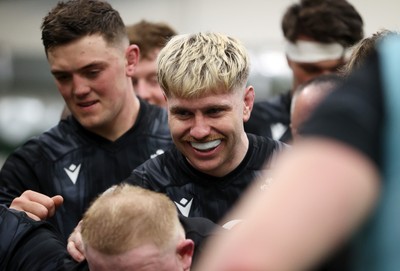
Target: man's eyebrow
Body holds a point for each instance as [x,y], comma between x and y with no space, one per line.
[178,108]
[92,65]
[86,67]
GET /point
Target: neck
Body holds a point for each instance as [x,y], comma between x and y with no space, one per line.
[125,119]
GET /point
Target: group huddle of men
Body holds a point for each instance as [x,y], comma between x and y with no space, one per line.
[129,180]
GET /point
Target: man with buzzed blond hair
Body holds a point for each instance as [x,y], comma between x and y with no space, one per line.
[131,227]
[204,78]
[125,228]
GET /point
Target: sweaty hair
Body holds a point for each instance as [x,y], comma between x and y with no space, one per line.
[126,217]
[71,20]
[326,21]
[362,50]
[149,36]
[191,66]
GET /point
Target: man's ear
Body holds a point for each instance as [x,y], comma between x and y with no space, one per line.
[132,56]
[184,252]
[249,97]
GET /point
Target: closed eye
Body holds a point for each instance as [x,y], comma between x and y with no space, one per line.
[181,113]
[91,74]
[214,111]
[62,77]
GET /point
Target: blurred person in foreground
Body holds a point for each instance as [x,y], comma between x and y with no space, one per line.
[110,131]
[338,183]
[318,37]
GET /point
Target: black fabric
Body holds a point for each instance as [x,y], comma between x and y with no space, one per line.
[353,114]
[267,113]
[30,245]
[207,196]
[42,163]
[199,229]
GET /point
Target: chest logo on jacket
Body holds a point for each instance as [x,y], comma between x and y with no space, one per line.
[184,206]
[73,172]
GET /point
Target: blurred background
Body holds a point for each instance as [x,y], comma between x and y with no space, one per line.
[29,100]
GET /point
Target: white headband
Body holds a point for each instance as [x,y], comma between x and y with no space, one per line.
[311,51]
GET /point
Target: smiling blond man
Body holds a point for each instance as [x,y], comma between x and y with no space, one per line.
[204,78]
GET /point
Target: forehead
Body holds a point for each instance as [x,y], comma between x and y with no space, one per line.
[206,100]
[143,258]
[326,64]
[92,47]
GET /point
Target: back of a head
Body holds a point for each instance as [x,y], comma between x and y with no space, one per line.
[71,20]
[149,36]
[363,49]
[194,65]
[126,217]
[325,21]
[332,80]
[308,96]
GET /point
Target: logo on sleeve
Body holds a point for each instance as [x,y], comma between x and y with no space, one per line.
[73,172]
[158,152]
[184,206]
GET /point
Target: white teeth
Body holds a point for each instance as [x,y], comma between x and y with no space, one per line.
[206,145]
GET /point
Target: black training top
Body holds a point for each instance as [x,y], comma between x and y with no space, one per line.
[70,161]
[197,194]
[268,115]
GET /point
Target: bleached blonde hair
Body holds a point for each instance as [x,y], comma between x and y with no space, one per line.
[126,217]
[194,65]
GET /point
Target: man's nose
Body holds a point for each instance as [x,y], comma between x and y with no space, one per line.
[200,127]
[81,86]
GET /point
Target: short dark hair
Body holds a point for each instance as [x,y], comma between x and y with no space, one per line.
[74,19]
[363,49]
[325,21]
[149,36]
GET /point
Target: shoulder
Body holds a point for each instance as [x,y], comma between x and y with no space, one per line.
[28,244]
[199,229]
[153,119]
[157,172]
[54,143]
[265,144]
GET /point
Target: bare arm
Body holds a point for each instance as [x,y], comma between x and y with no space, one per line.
[321,191]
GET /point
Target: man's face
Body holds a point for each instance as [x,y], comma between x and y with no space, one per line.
[209,130]
[143,258]
[92,79]
[302,72]
[145,81]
